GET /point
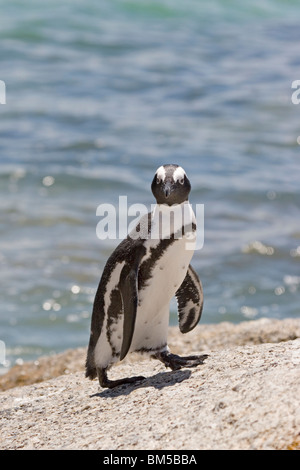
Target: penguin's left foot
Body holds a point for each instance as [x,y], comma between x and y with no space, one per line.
[178,362]
[105,382]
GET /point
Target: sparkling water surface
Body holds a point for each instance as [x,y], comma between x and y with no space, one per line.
[98,95]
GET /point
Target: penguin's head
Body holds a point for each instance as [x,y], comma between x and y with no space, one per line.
[170,185]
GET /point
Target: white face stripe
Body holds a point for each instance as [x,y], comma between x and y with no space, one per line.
[161,173]
[178,174]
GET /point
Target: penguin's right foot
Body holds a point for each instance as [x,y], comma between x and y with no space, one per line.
[176,362]
[105,382]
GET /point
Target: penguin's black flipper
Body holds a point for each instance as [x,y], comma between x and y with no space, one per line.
[190,301]
[129,294]
[128,287]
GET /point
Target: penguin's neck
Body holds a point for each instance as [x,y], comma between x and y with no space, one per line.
[170,220]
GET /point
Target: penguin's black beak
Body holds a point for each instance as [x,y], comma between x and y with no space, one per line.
[167,188]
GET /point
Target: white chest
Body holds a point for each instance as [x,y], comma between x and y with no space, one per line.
[167,274]
[172,223]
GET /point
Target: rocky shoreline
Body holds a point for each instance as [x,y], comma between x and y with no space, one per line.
[244,396]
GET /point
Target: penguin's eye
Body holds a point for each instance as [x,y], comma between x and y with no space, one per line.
[158,179]
[181,180]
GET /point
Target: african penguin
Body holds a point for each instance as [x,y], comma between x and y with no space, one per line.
[147,269]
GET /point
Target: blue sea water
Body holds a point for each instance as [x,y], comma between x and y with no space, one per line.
[99,94]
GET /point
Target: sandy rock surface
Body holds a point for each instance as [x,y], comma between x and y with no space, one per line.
[244,396]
